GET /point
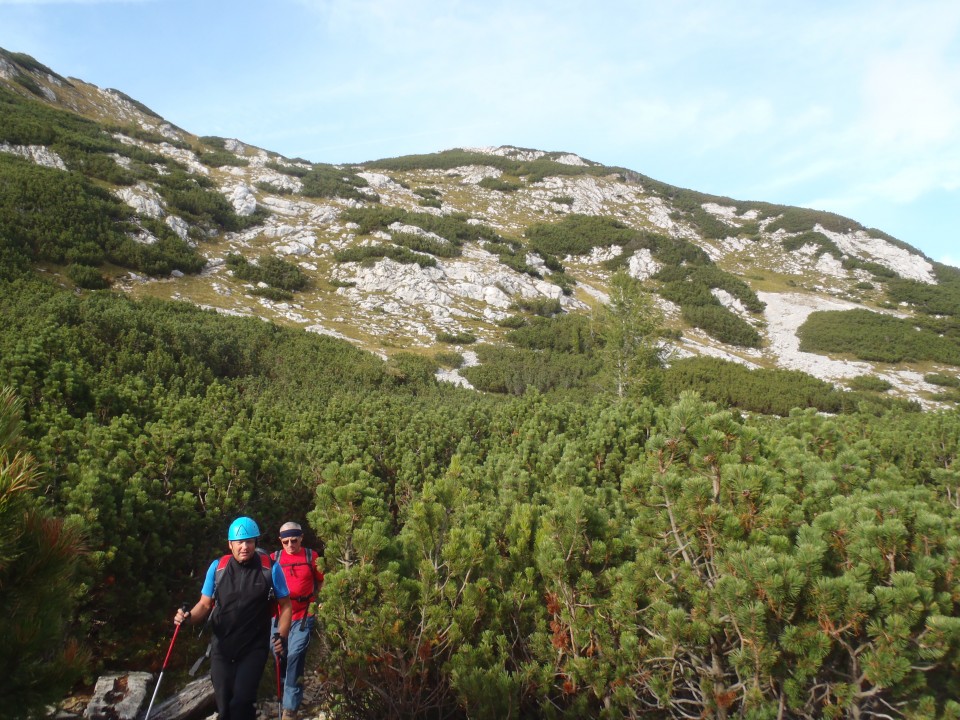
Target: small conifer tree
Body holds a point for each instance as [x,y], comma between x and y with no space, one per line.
[631,326]
[38,555]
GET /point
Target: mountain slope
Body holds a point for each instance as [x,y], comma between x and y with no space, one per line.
[423,253]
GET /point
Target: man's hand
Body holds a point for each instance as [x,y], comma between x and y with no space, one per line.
[279,645]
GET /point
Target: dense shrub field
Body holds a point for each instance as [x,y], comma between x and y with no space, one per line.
[331,181]
[275,272]
[530,556]
[872,336]
[687,275]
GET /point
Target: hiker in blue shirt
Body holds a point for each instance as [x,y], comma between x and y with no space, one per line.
[241,590]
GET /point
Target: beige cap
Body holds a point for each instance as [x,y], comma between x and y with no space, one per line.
[290,529]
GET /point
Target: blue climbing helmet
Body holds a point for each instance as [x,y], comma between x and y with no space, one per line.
[243,528]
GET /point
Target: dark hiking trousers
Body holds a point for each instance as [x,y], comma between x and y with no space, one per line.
[235,683]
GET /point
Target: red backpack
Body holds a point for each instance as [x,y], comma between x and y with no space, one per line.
[275,557]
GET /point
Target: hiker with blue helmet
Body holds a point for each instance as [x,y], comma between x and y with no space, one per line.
[304,578]
[241,592]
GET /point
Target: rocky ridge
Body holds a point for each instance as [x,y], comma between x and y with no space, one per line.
[386,306]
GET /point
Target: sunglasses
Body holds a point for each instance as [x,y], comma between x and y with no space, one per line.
[289,540]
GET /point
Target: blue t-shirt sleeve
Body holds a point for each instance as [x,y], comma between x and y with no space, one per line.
[279,582]
[208,581]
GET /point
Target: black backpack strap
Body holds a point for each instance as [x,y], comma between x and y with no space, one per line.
[266,566]
[217,574]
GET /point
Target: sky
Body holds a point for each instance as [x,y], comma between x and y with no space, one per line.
[851,106]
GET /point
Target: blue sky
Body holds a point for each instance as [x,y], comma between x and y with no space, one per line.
[849,106]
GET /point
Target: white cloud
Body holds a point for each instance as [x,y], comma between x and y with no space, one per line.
[912,100]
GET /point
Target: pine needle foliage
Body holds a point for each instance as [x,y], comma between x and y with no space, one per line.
[872,336]
[39,555]
[688,277]
[534,555]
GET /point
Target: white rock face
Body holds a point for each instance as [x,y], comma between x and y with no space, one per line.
[321,330]
[235,146]
[591,195]
[729,301]
[658,213]
[473,174]
[398,227]
[187,157]
[143,199]
[37,154]
[593,292]
[508,151]
[439,292]
[728,213]
[453,377]
[642,265]
[596,256]
[180,226]
[144,237]
[537,263]
[278,180]
[723,212]
[122,108]
[7,70]
[165,129]
[719,249]
[300,243]
[827,264]
[570,159]
[242,198]
[318,214]
[692,346]
[378,181]
[898,259]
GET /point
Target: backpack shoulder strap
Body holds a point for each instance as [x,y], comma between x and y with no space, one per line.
[313,568]
[266,565]
[218,573]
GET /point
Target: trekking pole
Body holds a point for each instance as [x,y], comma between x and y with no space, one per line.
[165,661]
[276,657]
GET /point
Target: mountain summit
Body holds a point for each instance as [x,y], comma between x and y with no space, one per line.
[449,254]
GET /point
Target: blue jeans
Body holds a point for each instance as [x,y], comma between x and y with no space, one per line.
[291,667]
